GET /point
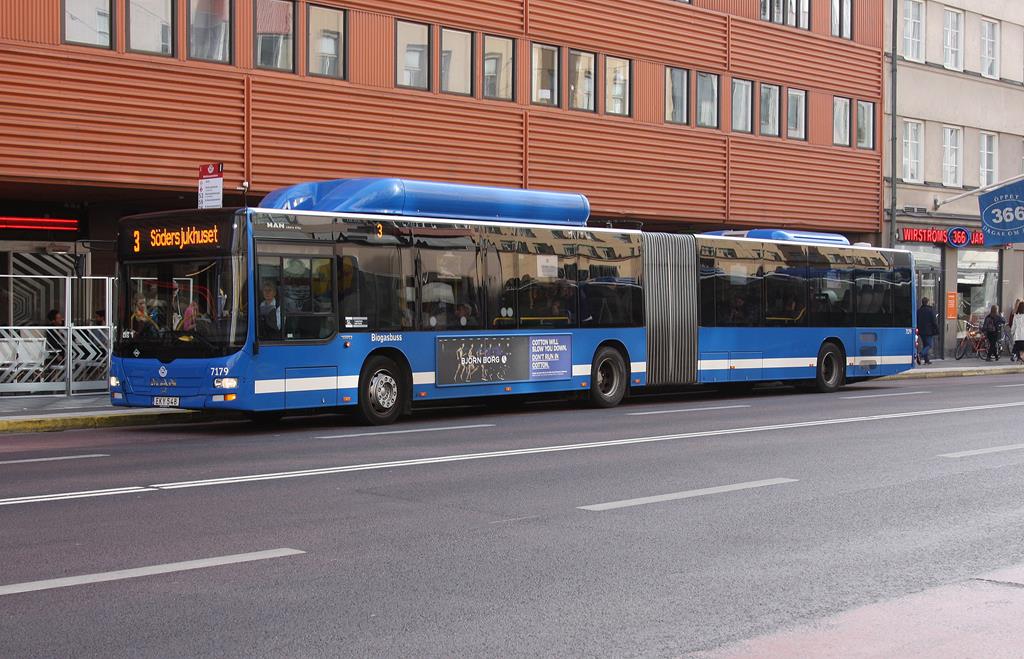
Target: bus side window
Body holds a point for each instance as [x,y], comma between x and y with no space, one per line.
[376,287]
[268,306]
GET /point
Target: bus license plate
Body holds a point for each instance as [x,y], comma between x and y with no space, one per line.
[166,401]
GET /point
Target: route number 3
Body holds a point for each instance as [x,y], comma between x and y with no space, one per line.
[380,230]
[135,245]
[1008,214]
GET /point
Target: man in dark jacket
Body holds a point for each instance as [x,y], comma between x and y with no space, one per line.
[927,329]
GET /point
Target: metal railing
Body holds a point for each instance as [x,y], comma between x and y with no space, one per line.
[38,356]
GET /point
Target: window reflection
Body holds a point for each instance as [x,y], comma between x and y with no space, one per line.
[210,30]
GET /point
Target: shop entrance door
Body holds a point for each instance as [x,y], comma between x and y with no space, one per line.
[928,283]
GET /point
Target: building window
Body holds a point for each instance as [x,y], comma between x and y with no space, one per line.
[953,40]
[456,62]
[151,26]
[545,75]
[795,13]
[499,67]
[840,121]
[842,19]
[582,69]
[770,110]
[989,173]
[913,151]
[865,125]
[87,22]
[707,100]
[412,63]
[796,110]
[677,95]
[952,157]
[742,106]
[617,85]
[913,24]
[275,34]
[326,42]
[989,49]
[209,30]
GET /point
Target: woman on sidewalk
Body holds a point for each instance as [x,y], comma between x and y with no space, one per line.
[993,329]
[1018,331]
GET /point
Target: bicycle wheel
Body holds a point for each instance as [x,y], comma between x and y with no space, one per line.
[961,349]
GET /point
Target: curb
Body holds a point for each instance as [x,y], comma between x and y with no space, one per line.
[107,420]
[916,374]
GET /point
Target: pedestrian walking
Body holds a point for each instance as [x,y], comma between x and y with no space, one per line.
[927,329]
[1018,331]
[993,329]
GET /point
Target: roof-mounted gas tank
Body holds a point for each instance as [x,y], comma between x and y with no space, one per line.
[786,235]
[411,198]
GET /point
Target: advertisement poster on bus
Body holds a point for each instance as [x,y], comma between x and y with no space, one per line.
[1002,214]
[518,358]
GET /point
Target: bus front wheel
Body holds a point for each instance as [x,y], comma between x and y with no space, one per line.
[382,391]
[831,368]
[607,378]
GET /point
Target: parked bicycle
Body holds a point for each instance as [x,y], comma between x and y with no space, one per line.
[976,343]
[973,342]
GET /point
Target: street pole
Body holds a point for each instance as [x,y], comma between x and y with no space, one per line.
[893,125]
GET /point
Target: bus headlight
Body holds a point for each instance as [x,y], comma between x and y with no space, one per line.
[225,383]
[114,382]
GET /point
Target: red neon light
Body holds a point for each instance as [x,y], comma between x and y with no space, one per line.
[38,223]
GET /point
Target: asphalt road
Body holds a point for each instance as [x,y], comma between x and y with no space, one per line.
[670,525]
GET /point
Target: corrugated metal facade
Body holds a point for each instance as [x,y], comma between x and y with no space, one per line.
[89,116]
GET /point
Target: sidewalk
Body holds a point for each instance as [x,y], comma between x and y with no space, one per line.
[944,368]
[51,413]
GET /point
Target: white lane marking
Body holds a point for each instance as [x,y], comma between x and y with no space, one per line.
[572,447]
[902,393]
[62,457]
[514,519]
[47,584]
[983,451]
[1002,386]
[688,494]
[74,495]
[402,432]
[546,449]
[688,409]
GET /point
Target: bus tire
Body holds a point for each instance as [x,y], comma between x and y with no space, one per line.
[830,373]
[607,378]
[382,391]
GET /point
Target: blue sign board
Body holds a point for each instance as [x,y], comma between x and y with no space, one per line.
[1002,214]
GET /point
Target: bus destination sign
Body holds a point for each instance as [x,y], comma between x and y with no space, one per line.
[180,237]
[176,237]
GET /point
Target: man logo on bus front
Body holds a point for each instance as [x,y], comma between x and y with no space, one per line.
[162,371]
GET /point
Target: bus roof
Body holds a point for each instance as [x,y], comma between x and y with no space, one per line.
[411,198]
[784,235]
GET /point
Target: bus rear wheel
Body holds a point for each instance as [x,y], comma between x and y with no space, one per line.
[382,391]
[607,378]
[831,369]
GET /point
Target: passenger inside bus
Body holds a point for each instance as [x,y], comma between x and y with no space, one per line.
[269,312]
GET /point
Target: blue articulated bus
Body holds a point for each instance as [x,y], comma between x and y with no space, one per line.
[377,293]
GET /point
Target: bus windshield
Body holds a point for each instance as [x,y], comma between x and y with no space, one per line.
[182,308]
